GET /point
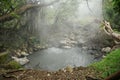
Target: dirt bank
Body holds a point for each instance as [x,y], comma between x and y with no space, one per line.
[80,73]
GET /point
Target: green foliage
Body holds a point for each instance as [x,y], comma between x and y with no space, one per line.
[3,57]
[15,15]
[110,64]
[116,5]
[7,6]
[5,61]
[16,32]
[34,40]
[13,65]
[111,12]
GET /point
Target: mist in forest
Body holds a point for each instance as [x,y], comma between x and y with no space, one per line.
[69,28]
[64,17]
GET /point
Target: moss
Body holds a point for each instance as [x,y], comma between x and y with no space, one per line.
[3,57]
[110,64]
[13,65]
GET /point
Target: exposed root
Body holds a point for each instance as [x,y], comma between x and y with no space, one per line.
[109,31]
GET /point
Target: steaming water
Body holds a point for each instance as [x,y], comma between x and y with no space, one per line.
[56,58]
[72,42]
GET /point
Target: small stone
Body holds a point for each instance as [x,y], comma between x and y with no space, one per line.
[63,42]
[103,56]
[18,54]
[69,69]
[106,49]
[19,50]
[84,47]
[30,52]
[25,49]
[67,47]
[48,74]
[64,70]
[24,53]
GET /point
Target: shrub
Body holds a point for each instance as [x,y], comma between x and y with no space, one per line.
[3,57]
[13,65]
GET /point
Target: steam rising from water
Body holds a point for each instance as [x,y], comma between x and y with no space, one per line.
[65,17]
[55,58]
[68,23]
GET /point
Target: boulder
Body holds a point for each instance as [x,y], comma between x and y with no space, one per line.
[24,53]
[106,49]
[22,61]
[18,53]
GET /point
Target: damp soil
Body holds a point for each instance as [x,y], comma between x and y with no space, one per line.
[79,73]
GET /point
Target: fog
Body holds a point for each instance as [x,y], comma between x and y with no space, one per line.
[64,16]
[70,30]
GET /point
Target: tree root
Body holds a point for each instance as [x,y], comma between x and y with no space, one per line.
[109,31]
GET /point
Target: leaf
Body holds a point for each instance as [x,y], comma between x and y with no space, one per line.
[15,15]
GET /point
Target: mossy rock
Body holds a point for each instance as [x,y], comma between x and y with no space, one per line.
[13,65]
[4,57]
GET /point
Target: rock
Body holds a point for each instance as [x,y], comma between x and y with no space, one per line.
[24,53]
[67,47]
[18,50]
[69,69]
[64,70]
[18,54]
[63,42]
[72,38]
[67,43]
[48,74]
[73,42]
[85,47]
[30,50]
[39,47]
[103,56]
[22,61]
[106,49]
[25,50]
[35,49]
